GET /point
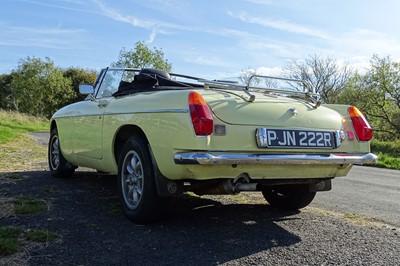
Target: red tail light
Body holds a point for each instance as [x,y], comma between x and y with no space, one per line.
[360,124]
[200,113]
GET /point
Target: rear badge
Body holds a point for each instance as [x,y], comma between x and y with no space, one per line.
[293,111]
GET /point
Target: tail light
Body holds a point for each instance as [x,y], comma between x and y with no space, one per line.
[360,124]
[200,113]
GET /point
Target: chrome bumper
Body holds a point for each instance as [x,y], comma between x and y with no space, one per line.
[220,158]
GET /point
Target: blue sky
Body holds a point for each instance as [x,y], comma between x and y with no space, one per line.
[209,38]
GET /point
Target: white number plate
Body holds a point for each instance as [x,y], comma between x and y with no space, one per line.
[279,138]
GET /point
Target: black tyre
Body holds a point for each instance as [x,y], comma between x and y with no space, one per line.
[136,182]
[59,167]
[288,197]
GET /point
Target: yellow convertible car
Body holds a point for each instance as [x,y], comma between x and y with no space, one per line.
[165,134]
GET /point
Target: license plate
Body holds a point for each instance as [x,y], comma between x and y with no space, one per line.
[291,138]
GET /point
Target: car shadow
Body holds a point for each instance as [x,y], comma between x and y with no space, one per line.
[85,210]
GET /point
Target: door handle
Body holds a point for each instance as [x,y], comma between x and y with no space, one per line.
[103,103]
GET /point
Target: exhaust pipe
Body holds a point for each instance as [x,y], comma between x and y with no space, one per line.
[228,186]
[242,183]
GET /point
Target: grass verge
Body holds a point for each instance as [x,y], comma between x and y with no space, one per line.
[388,153]
[12,124]
[388,161]
[22,154]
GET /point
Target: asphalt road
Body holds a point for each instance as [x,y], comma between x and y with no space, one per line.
[371,192]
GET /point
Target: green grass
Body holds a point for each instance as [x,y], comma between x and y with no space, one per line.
[388,153]
[352,216]
[13,176]
[41,235]
[388,161]
[28,205]
[386,147]
[13,123]
[9,240]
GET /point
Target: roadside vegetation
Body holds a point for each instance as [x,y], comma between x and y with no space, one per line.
[388,153]
[13,123]
[13,135]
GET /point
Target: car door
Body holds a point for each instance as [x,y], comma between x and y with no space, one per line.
[88,125]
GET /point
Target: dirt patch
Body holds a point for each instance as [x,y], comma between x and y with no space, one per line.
[21,155]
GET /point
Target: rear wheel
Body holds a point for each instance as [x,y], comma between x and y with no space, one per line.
[288,197]
[136,182]
[59,167]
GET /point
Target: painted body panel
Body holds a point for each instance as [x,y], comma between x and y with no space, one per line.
[88,130]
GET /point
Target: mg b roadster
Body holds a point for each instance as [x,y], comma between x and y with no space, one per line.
[165,134]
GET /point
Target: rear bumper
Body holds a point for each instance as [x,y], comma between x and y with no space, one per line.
[223,158]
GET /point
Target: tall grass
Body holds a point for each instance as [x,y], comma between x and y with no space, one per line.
[13,123]
[388,153]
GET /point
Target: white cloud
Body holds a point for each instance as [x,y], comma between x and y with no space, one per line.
[269,71]
[283,25]
[208,61]
[262,2]
[118,16]
[175,8]
[53,37]
[63,4]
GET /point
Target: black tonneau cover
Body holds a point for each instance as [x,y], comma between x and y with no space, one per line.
[149,80]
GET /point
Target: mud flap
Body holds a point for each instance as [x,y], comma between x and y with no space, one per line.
[165,187]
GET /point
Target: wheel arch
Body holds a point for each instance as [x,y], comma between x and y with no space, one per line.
[53,125]
[123,134]
[165,187]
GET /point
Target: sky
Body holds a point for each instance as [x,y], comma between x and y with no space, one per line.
[205,38]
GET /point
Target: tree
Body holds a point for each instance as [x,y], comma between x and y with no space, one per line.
[39,88]
[377,94]
[6,92]
[143,57]
[324,75]
[79,76]
[247,73]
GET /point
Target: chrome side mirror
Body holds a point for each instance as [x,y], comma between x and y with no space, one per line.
[86,89]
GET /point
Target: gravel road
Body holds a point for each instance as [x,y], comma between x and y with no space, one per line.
[85,211]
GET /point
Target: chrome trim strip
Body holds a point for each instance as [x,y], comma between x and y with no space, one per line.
[151,111]
[177,111]
[217,158]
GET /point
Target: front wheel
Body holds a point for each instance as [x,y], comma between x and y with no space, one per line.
[59,166]
[288,197]
[136,182]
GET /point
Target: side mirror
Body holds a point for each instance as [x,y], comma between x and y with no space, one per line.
[86,89]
